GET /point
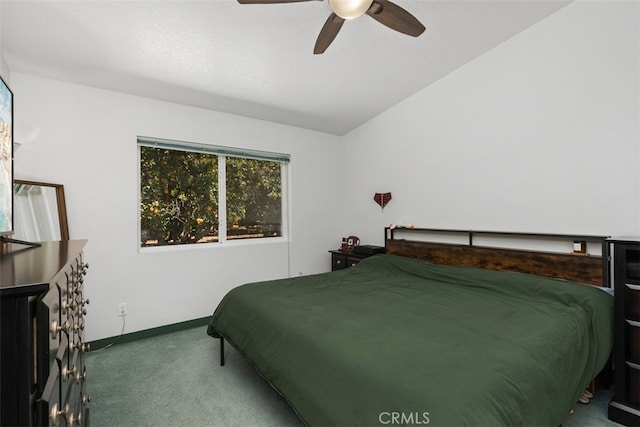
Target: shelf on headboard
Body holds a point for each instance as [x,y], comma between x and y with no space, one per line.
[584,268]
[471,233]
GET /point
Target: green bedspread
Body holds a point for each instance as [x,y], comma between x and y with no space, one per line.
[397,339]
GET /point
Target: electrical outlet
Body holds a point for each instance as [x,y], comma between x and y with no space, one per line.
[122,309]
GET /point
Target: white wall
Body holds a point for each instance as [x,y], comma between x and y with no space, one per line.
[4,69]
[86,140]
[538,135]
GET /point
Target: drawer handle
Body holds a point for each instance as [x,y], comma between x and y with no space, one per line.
[83,347]
[68,305]
[86,399]
[72,419]
[66,372]
[54,328]
[55,413]
[81,376]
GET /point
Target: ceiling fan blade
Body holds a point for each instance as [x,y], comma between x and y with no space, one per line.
[395,17]
[328,33]
[271,1]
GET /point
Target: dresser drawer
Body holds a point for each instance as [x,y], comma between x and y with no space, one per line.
[352,261]
[48,321]
[50,397]
[341,260]
[632,302]
[633,268]
[633,385]
[62,354]
[65,280]
[633,341]
[338,261]
[73,392]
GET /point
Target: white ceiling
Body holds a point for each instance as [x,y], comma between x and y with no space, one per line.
[255,60]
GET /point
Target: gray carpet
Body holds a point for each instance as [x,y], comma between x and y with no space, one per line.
[176,380]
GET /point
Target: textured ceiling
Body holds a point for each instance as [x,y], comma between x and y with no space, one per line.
[255,60]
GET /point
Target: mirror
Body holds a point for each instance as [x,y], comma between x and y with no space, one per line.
[39,211]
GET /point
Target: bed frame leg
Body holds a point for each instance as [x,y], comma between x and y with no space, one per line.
[221,351]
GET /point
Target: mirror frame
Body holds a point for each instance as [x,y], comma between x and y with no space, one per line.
[62,205]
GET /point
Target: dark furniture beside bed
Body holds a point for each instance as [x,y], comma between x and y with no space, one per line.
[430,342]
[42,333]
[341,260]
[624,408]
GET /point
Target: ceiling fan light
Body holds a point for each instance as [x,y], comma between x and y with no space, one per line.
[350,9]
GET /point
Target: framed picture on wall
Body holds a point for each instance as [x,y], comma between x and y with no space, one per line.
[6,159]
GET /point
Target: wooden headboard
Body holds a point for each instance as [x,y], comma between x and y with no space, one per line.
[577,266]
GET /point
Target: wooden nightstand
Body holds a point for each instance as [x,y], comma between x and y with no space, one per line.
[624,408]
[341,260]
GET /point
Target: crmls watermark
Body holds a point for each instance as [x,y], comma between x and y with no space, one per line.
[404,418]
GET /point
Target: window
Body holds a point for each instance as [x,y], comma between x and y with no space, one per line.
[195,193]
[254,198]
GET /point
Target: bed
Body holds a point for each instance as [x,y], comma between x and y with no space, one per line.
[423,335]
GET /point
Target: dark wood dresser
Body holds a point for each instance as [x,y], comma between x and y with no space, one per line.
[42,349]
[624,408]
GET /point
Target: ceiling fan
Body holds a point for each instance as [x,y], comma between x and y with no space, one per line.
[383,11]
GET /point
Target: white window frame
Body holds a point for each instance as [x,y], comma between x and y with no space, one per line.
[222,152]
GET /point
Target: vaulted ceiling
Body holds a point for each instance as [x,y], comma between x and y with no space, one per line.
[256,60]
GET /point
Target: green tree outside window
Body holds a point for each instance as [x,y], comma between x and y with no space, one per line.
[179,193]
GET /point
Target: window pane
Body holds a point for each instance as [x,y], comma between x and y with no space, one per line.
[254,198]
[178,197]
